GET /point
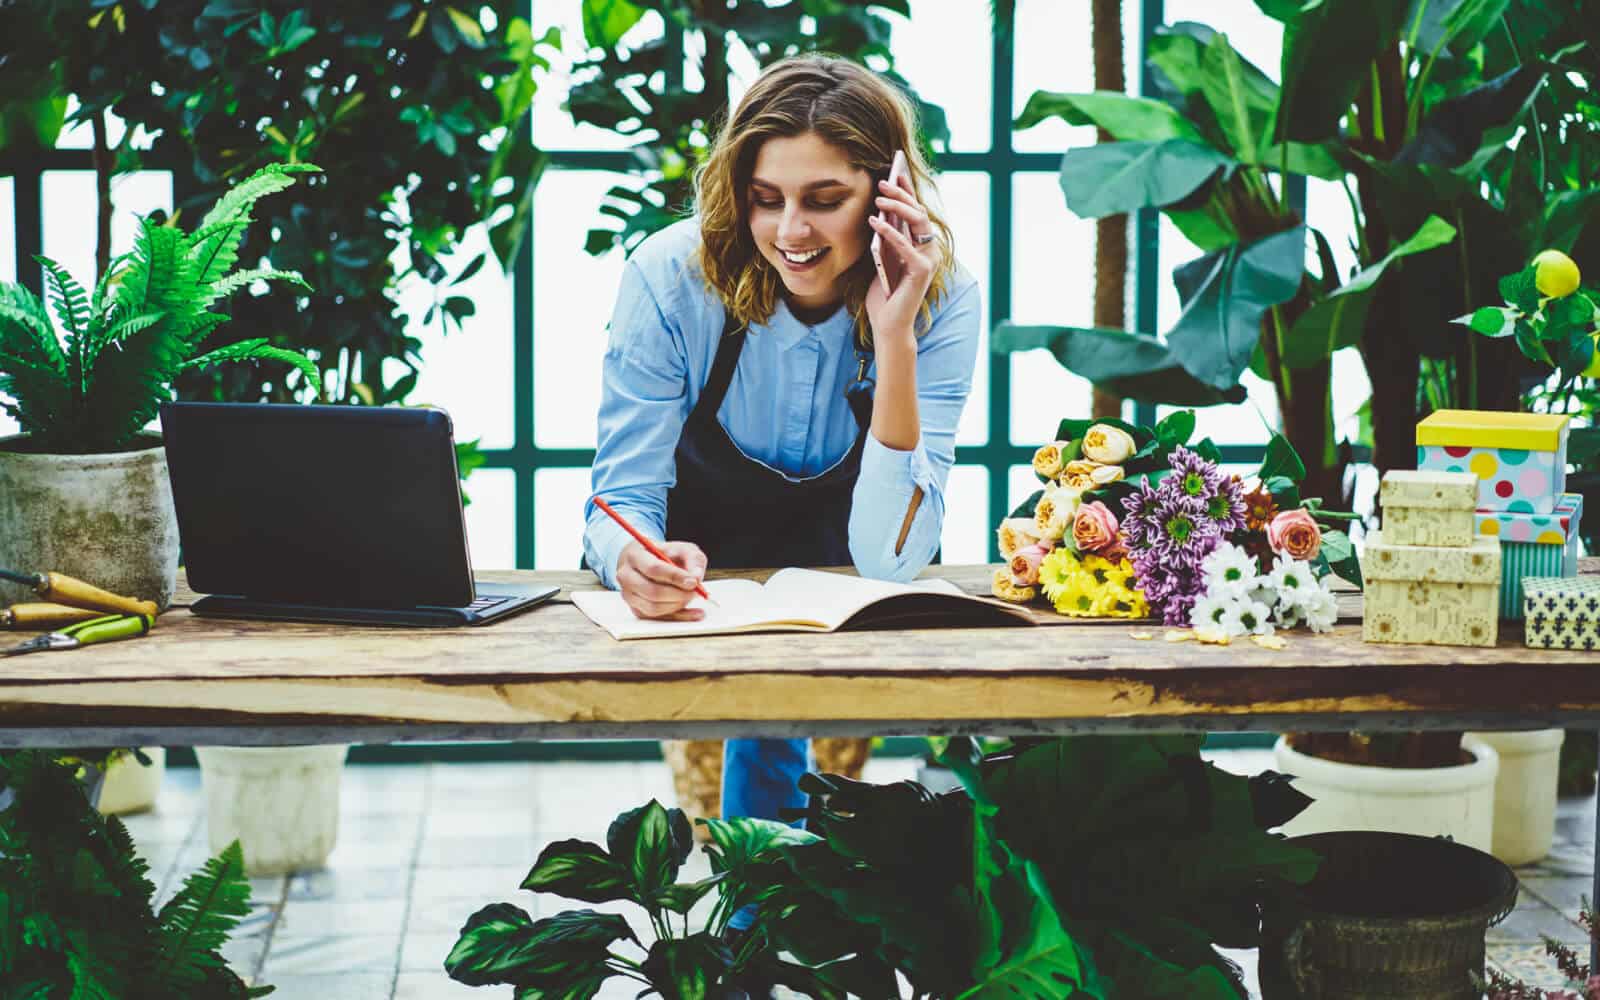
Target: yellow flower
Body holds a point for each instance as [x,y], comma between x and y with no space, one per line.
[1107,445]
[1015,533]
[1056,571]
[1105,475]
[1052,518]
[1003,588]
[1047,460]
[1079,475]
[1555,274]
[1079,596]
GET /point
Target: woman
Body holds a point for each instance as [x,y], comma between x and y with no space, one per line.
[766,402]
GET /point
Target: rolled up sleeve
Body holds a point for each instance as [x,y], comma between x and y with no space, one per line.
[643,404]
[883,544]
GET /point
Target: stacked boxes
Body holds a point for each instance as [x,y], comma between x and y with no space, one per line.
[1563,612]
[1429,507]
[1447,595]
[1520,461]
[1533,545]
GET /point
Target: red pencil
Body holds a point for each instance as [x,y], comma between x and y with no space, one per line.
[649,546]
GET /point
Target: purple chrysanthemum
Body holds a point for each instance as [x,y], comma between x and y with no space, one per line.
[1172,527]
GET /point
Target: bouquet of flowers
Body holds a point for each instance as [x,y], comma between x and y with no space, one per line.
[1135,522]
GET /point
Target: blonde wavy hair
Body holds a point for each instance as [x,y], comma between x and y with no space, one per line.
[846,105]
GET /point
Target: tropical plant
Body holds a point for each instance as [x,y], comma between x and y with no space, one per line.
[96,385]
[1396,102]
[639,91]
[76,915]
[1081,867]
[421,108]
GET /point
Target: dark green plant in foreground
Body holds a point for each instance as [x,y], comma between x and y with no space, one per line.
[75,902]
[96,384]
[1080,867]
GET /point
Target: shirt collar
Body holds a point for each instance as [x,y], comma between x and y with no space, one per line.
[789,330]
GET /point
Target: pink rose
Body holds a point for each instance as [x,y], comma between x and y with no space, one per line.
[1294,533]
[1094,529]
[1025,564]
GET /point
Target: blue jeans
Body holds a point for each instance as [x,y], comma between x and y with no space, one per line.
[759,777]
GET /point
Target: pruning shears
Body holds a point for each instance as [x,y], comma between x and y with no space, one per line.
[106,628]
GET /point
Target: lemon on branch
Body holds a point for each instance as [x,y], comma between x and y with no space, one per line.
[1555,274]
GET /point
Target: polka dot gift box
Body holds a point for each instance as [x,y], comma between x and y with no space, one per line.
[1520,459]
[1533,545]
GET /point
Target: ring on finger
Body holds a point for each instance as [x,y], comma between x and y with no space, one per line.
[923,239]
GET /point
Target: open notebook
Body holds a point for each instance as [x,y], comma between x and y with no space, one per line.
[806,600]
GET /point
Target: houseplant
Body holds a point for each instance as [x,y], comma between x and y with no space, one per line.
[83,488]
[75,901]
[1159,852]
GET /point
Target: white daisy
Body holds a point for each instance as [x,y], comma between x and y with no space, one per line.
[1288,615]
[1255,617]
[1208,610]
[1293,580]
[1229,568]
[1322,610]
[1231,620]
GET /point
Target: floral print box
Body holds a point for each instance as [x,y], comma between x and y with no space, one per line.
[1520,459]
[1447,596]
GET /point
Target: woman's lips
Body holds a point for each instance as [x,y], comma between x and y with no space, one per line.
[807,266]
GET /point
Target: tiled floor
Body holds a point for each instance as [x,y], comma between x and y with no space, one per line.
[421,847]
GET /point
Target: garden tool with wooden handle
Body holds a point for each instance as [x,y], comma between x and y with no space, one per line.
[59,588]
[43,614]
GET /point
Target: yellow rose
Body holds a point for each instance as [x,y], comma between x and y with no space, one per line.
[1108,445]
[1555,274]
[1079,475]
[1003,588]
[1105,475]
[1016,533]
[1047,460]
[1053,517]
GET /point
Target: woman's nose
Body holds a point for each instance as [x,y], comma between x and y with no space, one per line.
[792,225]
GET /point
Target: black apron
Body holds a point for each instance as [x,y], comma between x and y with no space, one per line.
[745,514]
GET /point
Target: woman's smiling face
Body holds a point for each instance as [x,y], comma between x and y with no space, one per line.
[808,208]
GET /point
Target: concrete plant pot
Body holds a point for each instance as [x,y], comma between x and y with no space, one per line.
[106,519]
[1457,802]
[130,786]
[280,803]
[1525,793]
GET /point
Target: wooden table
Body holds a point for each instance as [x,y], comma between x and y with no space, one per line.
[550,673]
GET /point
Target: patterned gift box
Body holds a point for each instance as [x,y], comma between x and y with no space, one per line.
[1520,459]
[1563,612]
[1428,507]
[1533,545]
[1443,595]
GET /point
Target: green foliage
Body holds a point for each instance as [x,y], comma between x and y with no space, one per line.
[95,385]
[422,110]
[1558,333]
[638,91]
[75,901]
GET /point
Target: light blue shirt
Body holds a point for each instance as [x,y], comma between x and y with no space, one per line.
[785,407]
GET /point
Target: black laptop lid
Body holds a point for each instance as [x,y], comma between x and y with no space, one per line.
[341,505]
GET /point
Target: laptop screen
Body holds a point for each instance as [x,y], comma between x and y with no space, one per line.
[336,505]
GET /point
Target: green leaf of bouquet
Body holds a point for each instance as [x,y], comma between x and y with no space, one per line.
[1285,491]
[1281,460]
[1175,428]
[1341,556]
[579,869]
[1027,507]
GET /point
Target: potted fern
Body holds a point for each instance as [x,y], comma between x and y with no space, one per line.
[83,488]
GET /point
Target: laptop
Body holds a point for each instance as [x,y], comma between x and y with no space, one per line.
[345,514]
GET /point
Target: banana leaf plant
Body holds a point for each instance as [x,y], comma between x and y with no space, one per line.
[1386,99]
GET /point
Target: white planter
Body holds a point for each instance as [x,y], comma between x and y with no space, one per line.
[130,786]
[1525,793]
[1457,802]
[105,519]
[280,803]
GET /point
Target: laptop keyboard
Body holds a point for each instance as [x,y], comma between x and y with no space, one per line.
[485,603]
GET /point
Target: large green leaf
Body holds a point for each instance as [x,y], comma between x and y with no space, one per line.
[651,844]
[1123,116]
[1241,97]
[1114,177]
[688,968]
[738,843]
[1328,48]
[1457,24]
[606,21]
[1044,962]
[1465,131]
[1281,460]
[579,869]
[502,944]
[1566,216]
[1133,365]
[1339,320]
[1219,328]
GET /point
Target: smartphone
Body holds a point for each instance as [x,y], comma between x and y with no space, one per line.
[889,267]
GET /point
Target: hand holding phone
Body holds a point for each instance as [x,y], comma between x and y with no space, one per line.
[889,267]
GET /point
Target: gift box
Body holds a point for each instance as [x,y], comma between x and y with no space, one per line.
[1520,459]
[1429,507]
[1442,595]
[1533,545]
[1563,612]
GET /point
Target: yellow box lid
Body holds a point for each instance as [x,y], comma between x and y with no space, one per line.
[1493,429]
